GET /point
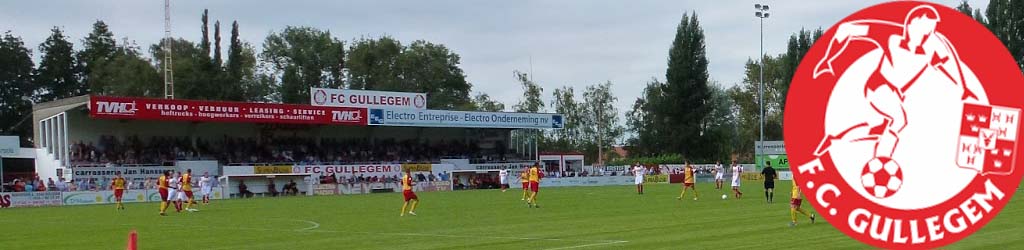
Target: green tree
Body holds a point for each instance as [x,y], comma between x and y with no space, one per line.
[796,48]
[569,138]
[1006,21]
[965,8]
[434,69]
[643,121]
[216,41]
[373,64]
[601,125]
[683,105]
[385,64]
[188,62]
[233,69]
[531,102]
[98,48]
[15,86]
[483,102]
[57,74]
[204,45]
[127,73]
[304,57]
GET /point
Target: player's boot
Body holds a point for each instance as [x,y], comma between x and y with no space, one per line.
[792,224]
[412,213]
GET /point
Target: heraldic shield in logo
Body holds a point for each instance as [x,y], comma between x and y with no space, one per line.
[902,124]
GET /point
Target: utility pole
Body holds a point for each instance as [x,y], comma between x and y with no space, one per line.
[761,14]
[168,72]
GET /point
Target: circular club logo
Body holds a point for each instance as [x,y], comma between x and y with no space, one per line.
[419,101]
[320,97]
[902,125]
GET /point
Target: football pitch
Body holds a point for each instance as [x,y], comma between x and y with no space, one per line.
[610,217]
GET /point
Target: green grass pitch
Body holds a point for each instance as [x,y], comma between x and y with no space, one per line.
[611,217]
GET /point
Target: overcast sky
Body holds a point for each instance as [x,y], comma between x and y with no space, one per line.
[575,43]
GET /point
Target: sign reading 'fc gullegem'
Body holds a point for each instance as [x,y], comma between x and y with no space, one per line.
[902,125]
[366,98]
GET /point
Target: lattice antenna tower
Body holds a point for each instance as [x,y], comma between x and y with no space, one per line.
[168,72]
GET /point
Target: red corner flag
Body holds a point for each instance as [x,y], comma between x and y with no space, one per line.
[132,239]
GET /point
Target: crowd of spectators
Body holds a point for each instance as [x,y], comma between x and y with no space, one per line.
[129,150]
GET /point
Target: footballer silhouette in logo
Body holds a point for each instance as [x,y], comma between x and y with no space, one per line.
[901,73]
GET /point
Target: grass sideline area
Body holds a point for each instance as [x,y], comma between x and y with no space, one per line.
[610,217]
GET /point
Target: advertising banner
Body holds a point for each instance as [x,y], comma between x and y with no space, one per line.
[779,162]
[661,178]
[278,169]
[29,199]
[417,167]
[465,119]
[587,181]
[130,174]
[9,145]
[130,195]
[366,170]
[107,107]
[365,188]
[325,189]
[770,147]
[366,98]
[513,166]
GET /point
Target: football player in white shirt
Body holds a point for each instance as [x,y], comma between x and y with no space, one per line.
[204,187]
[503,178]
[639,171]
[736,172]
[173,191]
[719,175]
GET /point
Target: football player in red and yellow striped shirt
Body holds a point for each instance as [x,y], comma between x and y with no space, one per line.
[794,206]
[688,182]
[186,186]
[162,184]
[118,186]
[408,194]
[524,177]
[534,176]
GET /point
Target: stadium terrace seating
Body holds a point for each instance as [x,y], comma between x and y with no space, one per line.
[133,150]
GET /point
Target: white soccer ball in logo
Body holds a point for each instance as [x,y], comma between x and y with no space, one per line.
[882,177]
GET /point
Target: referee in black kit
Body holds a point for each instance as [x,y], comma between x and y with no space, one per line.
[769,181]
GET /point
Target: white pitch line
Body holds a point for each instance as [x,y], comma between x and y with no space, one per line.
[314,225]
[590,245]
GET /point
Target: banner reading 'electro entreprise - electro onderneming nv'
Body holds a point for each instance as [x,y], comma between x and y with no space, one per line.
[447,118]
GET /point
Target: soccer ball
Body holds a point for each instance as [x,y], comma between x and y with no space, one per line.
[725,196]
[882,177]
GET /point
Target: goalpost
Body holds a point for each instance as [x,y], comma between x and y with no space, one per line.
[259,184]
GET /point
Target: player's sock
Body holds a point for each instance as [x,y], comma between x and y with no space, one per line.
[792,214]
[766,199]
[403,208]
[189,206]
[163,206]
[771,197]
